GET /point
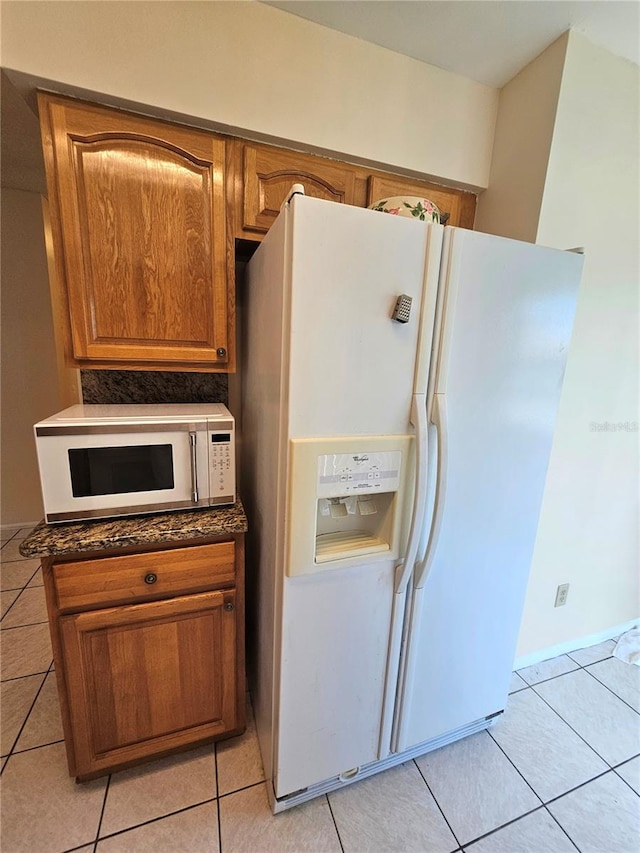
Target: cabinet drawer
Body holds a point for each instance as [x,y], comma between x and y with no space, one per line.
[143,577]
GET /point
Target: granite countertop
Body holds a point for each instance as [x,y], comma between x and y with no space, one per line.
[47,540]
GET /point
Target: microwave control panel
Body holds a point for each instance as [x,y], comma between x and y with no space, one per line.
[222,466]
[358,473]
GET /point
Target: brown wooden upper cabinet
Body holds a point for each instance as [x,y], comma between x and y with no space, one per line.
[139,229]
[263,176]
[456,206]
[269,173]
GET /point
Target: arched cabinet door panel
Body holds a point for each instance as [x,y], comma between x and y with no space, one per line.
[269,174]
[138,219]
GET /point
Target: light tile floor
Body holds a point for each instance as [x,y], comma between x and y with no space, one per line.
[559,773]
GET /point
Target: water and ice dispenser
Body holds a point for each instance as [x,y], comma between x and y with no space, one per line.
[347,498]
[356,495]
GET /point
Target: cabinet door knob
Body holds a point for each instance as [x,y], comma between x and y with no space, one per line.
[150,578]
[221,352]
[228,605]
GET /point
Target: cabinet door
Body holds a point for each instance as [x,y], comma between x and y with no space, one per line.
[139,221]
[147,678]
[458,206]
[269,174]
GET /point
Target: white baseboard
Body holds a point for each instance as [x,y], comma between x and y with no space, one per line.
[9,529]
[574,645]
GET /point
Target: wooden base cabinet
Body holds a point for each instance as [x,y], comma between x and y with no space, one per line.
[148,678]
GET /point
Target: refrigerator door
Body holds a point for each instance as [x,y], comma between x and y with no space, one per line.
[352,372]
[335,646]
[352,367]
[505,317]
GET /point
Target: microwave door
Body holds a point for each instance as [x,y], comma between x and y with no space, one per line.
[93,475]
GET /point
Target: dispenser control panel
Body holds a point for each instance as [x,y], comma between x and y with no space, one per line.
[358,473]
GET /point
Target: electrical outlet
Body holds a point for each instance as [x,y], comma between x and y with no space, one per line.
[562,594]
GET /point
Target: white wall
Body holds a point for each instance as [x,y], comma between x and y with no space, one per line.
[29,371]
[588,534]
[250,66]
[524,131]
[564,173]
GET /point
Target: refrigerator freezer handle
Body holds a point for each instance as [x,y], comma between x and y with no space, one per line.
[419,420]
[439,418]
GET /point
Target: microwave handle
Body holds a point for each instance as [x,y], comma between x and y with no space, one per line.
[194,467]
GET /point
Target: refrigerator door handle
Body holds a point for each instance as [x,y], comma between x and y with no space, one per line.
[439,419]
[419,421]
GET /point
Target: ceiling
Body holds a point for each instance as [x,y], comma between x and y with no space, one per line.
[486,40]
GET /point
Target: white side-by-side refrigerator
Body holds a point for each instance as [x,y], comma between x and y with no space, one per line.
[401,384]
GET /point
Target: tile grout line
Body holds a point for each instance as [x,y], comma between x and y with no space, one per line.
[27,675]
[24,723]
[504,825]
[244,788]
[435,800]
[9,538]
[24,588]
[516,768]
[104,805]
[33,748]
[15,588]
[554,818]
[78,847]
[626,781]
[26,624]
[553,677]
[584,740]
[154,819]
[584,665]
[581,785]
[11,606]
[611,691]
[334,822]
[215,764]
[626,761]
[560,674]
[185,809]
[543,803]
[16,627]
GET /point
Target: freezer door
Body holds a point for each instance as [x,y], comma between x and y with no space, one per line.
[352,368]
[335,648]
[505,319]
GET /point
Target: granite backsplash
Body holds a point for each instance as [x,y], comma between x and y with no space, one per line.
[138,386]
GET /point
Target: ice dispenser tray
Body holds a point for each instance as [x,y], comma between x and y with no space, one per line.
[355,495]
[346,497]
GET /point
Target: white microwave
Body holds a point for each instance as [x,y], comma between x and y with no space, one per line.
[104,461]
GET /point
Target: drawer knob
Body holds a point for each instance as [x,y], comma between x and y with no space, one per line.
[150,578]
